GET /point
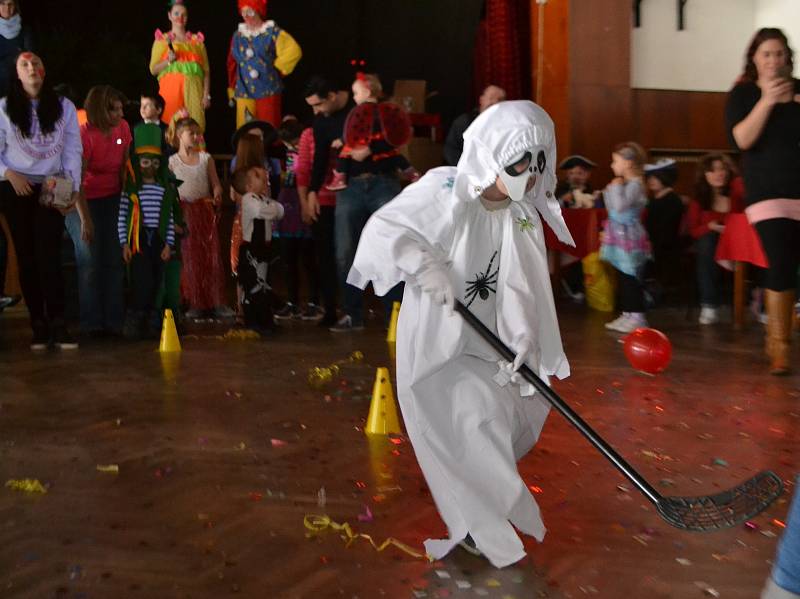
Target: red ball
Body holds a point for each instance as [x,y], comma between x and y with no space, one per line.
[648,350]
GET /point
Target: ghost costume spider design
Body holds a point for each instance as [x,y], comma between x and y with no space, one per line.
[482,285]
[468,420]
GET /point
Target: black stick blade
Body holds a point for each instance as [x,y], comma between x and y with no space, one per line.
[723,510]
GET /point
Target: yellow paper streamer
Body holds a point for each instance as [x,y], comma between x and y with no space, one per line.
[317,523]
[240,335]
[26,485]
[109,468]
[319,375]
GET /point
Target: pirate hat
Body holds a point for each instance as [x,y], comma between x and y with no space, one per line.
[270,135]
[576,160]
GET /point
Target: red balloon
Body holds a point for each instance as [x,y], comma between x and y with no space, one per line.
[648,350]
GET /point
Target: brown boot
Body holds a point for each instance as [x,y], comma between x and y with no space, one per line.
[780,306]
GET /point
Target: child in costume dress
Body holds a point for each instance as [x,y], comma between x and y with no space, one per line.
[203,278]
[474,232]
[146,229]
[625,243]
[383,127]
[296,243]
[258,213]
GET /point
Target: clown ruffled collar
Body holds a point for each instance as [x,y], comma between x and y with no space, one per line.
[190,37]
[250,33]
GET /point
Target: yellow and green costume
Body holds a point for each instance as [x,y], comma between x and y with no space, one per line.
[181,83]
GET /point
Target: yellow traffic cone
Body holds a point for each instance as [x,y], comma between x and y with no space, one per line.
[382,419]
[169,336]
[391,336]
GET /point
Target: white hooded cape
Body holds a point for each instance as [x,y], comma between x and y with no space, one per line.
[467,431]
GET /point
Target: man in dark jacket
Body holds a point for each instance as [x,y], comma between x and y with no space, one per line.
[454,144]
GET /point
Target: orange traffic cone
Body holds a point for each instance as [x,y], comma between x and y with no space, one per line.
[169,336]
[382,419]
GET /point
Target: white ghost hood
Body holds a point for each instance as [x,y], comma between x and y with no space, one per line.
[499,137]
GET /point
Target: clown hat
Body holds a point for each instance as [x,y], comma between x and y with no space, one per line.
[260,6]
[147,139]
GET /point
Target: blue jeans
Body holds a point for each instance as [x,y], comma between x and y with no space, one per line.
[786,571]
[100,268]
[354,206]
[709,273]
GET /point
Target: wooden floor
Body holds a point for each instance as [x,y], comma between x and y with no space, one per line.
[224,450]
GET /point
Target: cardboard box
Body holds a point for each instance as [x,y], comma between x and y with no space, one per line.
[410,94]
[424,154]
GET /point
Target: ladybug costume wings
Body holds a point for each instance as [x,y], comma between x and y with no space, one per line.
[393,125]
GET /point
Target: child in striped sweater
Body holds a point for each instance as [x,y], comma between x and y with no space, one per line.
[146,229]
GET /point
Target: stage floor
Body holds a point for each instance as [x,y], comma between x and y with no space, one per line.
[225,449]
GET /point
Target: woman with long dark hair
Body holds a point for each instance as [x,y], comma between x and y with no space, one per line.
[763,118]
[14,37]
[39,138]
[717,193]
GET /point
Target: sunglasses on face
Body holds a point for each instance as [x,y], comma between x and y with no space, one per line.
[148,162]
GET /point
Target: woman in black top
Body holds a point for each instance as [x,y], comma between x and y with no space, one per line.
[763,119]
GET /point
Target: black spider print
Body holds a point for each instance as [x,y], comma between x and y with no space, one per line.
[482,285]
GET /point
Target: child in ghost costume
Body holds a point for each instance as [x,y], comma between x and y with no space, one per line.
[474,233]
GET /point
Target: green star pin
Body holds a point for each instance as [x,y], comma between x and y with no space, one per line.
[525,224]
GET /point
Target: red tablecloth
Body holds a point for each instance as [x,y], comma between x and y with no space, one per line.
[432,121]
[585,225]
[739,242]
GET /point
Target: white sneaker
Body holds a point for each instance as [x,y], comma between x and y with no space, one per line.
[708,315]
[224,312]
[616,323]
[630,323]
[346,324]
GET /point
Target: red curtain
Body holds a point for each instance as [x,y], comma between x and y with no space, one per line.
[499,58]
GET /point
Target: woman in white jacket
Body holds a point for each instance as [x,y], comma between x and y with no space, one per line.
[473,233]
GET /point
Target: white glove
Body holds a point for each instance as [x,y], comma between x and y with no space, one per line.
[507,372]
[433,279]
[525,350]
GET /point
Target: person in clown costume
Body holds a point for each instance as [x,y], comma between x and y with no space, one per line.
[475,233]
[180,62]
[260,55]
[146,229]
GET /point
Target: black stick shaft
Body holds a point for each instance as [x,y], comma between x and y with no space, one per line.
[563,408]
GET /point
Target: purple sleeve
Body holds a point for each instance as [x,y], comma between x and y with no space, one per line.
[71,155]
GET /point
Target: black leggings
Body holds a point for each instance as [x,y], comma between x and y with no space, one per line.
[37,233]
[294,252]
[781,240]
[323,233]
[631,294]
[3,260]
